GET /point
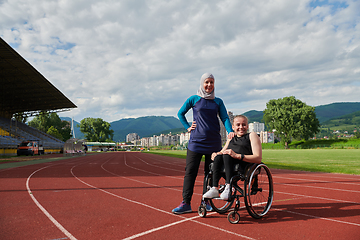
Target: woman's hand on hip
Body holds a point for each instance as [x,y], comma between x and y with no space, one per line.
[192,127]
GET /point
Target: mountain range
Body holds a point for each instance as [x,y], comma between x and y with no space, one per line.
[323,112]
[144,126]
[347,113]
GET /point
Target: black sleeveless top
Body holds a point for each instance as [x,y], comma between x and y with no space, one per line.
[241,144]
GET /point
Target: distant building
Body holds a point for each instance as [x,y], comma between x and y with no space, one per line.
[256,127]
[132,137]
[259,128]
[167,140]
[145,142]
[267,137]
[152,141]
[184,138]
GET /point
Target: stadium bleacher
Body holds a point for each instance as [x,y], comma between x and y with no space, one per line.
[18,132]
[27,92]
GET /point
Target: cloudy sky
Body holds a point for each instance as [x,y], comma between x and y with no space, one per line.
[131,58]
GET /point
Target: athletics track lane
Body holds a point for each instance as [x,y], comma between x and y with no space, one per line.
[130,195]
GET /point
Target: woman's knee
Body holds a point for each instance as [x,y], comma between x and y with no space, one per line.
[227,158]
[218,159]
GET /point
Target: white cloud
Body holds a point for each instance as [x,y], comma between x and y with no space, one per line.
[118,59]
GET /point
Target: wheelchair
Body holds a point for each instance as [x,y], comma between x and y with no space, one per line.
[258,192]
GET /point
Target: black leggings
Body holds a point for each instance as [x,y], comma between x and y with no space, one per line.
[224,160]
[193,160]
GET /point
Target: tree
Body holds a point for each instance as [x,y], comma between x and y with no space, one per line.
[96,130]
[40,122]
[54,132]
[291,118]
[45,120]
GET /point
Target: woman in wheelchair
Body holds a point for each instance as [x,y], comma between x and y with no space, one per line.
[244,148]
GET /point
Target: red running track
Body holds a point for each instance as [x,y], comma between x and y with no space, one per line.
[127,195]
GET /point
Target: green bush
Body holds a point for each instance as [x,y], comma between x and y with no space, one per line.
[317,143]
[326,143]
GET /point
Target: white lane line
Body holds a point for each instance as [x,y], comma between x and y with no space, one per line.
[179,178]
[307,196]
[117,196]
[311,174]
[325,175]
[156,174]
[52,219]
[322,218]
[171,169]
[318,181]
[322,198]
[178,163]
[134,180]
[321,181]
[182,221]
[336,200]
[312,186]
[157,229]
[156,209]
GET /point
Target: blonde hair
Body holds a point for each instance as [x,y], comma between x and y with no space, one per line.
[242,116]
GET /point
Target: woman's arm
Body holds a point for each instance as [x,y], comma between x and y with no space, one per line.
[256,149]
[214,154]
[189,103]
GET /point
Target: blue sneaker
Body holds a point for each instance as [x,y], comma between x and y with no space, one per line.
[208,206]
[182,208]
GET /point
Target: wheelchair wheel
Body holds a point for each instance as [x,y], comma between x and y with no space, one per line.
[233,217]
[219,205]
[202,211]
[259,190]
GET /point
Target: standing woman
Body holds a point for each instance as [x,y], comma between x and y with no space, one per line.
[205,135]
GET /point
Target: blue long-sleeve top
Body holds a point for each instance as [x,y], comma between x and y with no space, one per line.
[205,139]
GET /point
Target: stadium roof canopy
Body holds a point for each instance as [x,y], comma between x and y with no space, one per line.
[23,89]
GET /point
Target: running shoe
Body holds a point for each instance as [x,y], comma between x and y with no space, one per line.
[182,208]
[212,193]
[225,194]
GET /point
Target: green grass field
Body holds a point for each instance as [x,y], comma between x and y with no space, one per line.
[315,160]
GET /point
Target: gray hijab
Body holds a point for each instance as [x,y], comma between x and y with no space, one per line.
[201,92]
